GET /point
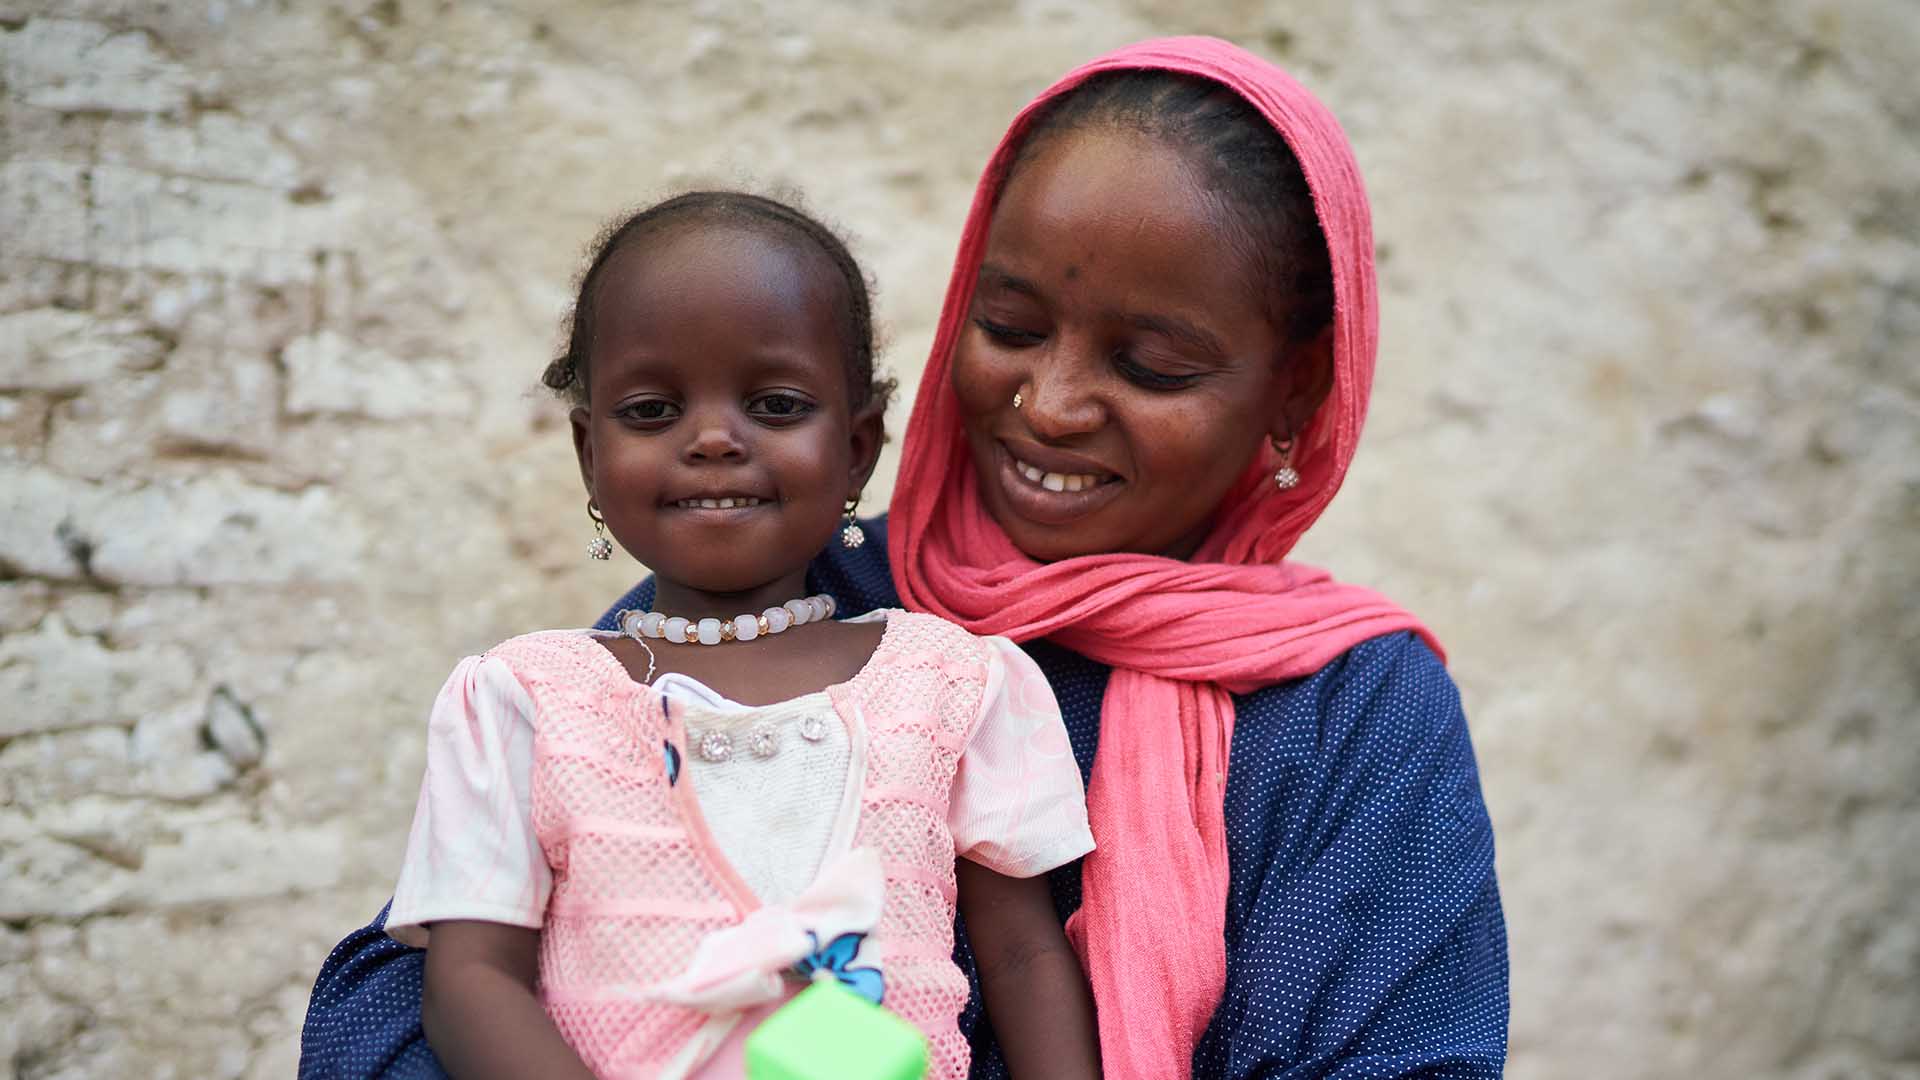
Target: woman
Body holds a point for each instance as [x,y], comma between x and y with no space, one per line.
[1149,380]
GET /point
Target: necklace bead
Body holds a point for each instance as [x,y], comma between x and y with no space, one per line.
[711,631]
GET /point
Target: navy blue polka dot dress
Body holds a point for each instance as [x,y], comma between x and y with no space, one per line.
[1364,932]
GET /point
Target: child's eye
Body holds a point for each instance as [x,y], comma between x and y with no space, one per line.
[779,406]
[649,411]
[1010,336]
[1143,376]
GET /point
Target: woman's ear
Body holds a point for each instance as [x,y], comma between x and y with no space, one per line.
[583,445]
[868,432]
[1306,378]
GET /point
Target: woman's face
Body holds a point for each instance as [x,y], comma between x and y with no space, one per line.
[1109,300]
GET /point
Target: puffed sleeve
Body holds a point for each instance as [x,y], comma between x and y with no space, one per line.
[1018,807]
[472,853]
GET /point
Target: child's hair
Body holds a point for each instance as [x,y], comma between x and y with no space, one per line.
[567,374]
[1268,213]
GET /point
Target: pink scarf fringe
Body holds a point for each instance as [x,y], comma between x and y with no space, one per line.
[1180,636]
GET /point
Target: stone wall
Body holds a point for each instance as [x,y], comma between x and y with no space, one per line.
[276,281]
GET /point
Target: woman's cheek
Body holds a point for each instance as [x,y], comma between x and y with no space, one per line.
[979,375]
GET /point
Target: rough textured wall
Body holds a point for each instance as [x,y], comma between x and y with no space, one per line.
[276,281]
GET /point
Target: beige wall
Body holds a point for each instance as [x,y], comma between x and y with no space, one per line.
[276,280]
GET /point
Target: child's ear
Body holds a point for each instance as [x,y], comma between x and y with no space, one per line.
[583,445]
[868,432]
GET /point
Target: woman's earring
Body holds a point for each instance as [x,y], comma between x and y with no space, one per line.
[852,536]
[599,547]
[1285,478]
[1018,400]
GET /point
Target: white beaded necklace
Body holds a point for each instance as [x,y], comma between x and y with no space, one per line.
[640,625]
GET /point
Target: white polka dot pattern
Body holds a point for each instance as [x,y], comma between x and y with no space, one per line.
[1364,932]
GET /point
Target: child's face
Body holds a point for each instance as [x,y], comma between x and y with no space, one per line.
[717,371]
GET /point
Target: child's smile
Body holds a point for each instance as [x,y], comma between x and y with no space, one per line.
[718,440]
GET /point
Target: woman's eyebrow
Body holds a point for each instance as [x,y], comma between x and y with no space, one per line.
[1170,326]
[1179,330]
[999,277]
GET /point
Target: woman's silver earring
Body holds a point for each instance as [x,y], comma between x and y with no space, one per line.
[1018,400]
[599,547]
[1285,477]
[852,536]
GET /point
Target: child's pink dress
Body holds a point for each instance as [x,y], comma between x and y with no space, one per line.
[681,854]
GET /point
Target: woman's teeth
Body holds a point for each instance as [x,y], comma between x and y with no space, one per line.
[717,504]
[1054,481]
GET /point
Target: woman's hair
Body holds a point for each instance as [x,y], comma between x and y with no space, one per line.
[567,374]
[1266,208]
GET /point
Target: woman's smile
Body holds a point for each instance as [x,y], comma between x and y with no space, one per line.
[1048,487]
[1146,372]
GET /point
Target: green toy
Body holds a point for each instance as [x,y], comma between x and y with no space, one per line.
[828,1032]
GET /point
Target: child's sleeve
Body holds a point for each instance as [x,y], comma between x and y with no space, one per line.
[472,853]
[1018,807]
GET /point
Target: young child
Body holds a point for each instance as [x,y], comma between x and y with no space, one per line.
[629,846]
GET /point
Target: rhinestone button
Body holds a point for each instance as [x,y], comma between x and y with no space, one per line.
[715,747]
[813,729]
[763,741]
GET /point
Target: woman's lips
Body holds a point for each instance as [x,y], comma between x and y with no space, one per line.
[1049,497]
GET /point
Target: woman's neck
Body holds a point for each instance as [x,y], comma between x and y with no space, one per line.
[674,598]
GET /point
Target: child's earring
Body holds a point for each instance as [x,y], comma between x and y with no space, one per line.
[852,536]
[599,547]
[1285,478]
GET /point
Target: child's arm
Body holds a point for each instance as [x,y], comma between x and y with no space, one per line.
[479,1010]
[1036,994]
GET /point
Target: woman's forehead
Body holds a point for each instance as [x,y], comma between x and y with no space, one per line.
[1119,216]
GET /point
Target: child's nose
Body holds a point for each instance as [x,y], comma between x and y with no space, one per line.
[714,439]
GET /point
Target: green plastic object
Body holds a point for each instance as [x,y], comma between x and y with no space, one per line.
[828,1032]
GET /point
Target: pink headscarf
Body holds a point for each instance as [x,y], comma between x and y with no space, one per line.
[1180,635]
